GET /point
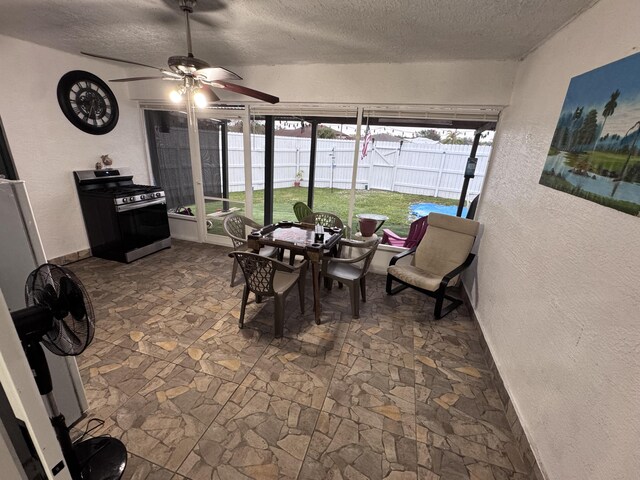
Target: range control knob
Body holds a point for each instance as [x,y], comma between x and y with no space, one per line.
[131,199]
[142,197]
[125,200]
[158,194]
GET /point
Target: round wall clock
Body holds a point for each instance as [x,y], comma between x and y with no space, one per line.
[87,102]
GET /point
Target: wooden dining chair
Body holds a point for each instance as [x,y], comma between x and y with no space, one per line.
[351,271]
[267,277]
[235,227]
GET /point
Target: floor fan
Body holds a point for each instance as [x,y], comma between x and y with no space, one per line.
[59,315]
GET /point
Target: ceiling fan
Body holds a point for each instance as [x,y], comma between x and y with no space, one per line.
[195,74]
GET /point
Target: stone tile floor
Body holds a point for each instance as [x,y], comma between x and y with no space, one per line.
[390,395]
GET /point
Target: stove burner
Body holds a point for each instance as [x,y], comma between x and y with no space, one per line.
[125,190]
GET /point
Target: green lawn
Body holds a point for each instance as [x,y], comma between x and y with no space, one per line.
[392,204]
[596,162]
[610,161]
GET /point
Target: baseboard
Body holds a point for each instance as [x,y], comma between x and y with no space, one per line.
[514,422]
[71,257]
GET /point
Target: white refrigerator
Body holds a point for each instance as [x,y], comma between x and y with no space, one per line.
[21,252]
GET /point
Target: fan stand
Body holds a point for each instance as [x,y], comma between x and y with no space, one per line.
[99,458]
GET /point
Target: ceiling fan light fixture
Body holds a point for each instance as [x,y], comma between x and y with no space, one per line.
[200,99]
[176,95]
[195,74]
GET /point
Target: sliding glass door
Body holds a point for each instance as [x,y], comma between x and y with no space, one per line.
[221,136]
[257,162]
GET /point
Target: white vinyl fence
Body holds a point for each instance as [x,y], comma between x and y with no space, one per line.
[411,167]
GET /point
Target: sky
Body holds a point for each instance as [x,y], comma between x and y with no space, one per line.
[594,88]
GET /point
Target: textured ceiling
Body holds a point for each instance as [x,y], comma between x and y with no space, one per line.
[258,32]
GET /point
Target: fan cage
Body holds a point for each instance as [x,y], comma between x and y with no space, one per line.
[58,289]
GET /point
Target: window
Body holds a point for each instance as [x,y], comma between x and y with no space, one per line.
[406,172]
[408,162]
[167,134]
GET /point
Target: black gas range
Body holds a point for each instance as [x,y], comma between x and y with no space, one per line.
[124,221]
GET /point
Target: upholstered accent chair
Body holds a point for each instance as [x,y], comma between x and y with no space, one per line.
[267,277]
[437,261]
[235,227]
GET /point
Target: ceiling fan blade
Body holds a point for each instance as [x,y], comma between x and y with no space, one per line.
[135,79]
[232,87]
[213,74]
[164,72]
[120,60]
[202,20]
[202,5]
[210,93]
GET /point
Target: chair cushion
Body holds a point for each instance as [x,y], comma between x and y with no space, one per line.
[455,224]
[283,281]
[416,277]
[446,244]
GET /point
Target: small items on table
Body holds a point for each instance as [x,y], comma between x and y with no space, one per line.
[299,239]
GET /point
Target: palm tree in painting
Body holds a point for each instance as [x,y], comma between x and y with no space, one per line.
[609,108]
[618,181]
[576,116]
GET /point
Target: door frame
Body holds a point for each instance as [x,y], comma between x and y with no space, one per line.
[222,114]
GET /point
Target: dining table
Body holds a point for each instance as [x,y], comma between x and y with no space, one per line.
[300,239]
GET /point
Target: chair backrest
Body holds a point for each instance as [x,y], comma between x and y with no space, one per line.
[373,246]
[416,231]
[235,226]
[258,272]
[370,247]
[301,210]
[325,219]
[446,244]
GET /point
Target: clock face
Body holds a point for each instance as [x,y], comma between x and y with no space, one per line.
[87,102]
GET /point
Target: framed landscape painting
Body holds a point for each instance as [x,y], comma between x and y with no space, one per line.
[595,150]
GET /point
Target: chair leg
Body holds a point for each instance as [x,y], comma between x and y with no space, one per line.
[389,282]
[440,312]
[301,292]
[393,291]
[437,312]
[279,319]
[363,289]
[355,300]
[245,297]
[234,270]
[328,283]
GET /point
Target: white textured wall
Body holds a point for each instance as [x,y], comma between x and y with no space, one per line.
[46,147]
[558,277]
[482,82]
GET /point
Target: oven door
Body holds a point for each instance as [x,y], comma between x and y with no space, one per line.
[143,224]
